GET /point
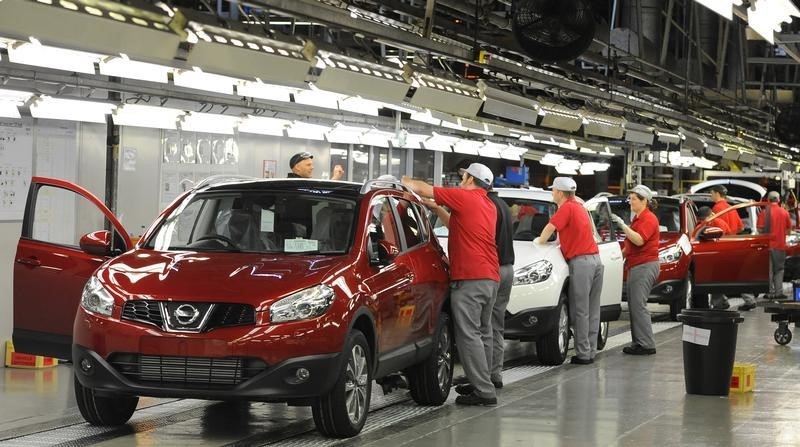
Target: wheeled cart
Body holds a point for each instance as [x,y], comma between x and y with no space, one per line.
[783,312]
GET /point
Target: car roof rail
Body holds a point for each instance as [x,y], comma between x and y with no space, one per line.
[369,185]
[604,194]
[222,178]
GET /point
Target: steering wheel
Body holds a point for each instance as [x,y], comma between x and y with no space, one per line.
[218,237]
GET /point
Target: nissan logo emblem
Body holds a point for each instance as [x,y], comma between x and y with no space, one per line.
[186,314]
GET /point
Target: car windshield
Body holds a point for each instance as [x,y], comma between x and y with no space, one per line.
[668,213]
[258,222]
[528,216]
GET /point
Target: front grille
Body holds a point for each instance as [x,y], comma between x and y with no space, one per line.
[189,372]
[223,314]
[145,311]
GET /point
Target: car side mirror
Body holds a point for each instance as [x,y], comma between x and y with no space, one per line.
[385,253]
[710,233]
[97,243]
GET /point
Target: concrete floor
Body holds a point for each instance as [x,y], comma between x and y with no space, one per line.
[618,401]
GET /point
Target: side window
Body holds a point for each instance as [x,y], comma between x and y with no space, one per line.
[409,222]
[601,216]
[382,224]
[691,219]
[61,217]
[423,221]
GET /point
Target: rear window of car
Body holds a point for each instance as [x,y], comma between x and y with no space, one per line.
[258,221]
[667,211]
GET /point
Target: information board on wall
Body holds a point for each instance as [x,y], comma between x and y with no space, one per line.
[16,167]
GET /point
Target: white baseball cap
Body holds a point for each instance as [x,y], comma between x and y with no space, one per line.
[564,184]
[480,172]
[643,191]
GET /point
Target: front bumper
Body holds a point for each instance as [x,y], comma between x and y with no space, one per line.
[530,324]
[277,383]
[664,292]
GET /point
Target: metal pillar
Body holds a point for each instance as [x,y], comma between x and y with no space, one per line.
[427,27]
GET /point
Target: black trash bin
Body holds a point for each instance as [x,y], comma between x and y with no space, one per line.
[707,368]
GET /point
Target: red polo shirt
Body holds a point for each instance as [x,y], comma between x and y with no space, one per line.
[470,246]
[732,218]
[574,230]
[780,222]
[646,224]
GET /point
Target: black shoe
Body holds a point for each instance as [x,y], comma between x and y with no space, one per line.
[474,399]
[460,380]
[638,350]
[747,307]
[575,360]
[465,388]
[497,384]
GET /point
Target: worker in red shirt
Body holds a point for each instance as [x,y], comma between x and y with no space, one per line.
[776,222]
[474,273]
[702,214]
[719,194]
[585,267]
[641,261]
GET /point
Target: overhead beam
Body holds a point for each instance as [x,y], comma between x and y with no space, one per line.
[772,60]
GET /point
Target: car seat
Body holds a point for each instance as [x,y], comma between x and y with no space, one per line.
[243,230]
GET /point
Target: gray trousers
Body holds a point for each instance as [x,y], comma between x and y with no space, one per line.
[640,280]
[585,285]
[499,320]
[777,259]
[472,301]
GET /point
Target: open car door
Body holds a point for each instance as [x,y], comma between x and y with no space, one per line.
[611,255]
[67,233]
[730,263]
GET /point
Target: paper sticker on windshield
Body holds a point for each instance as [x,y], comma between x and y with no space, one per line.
[267,221]
[300,245]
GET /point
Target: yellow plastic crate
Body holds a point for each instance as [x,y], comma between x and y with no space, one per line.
[743,378]
[20,360]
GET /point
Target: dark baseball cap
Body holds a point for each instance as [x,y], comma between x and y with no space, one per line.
[298,157]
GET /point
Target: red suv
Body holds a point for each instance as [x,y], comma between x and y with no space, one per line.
[296,291]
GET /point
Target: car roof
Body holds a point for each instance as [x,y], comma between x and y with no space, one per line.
[703,197]
[525,193]
[758,189]
[615,199]
[242,183]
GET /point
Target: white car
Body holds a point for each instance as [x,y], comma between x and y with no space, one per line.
[537,310]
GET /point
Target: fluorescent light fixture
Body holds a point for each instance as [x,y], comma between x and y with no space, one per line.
[261,90]
[307,131]
[233,53]
[352,76]
[318,98]
[410,140]
[637,133]
[439,142]
[264,125]
[377,137]
[668,137]
[122,67]
[147,116]
[559,117]
[445,95]
[529,138]
[567,168]
[455,125]
[10,100]
[344,134]
[470,147]
[475,127]
[569,145]
[586,150]
[585,169]
[722,7]
[69,109]
[603,125]
[765,17]
[360,105]
[491,150]
[401,107]
[102,27]
[209,123]
[508,105]
[692,141]
[199,80]
[512,152]
[428,116]
[596,166]
[33,53]
[551,159]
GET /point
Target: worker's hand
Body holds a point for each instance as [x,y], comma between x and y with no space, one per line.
[618,221]
[430,203]
[405,180]
[338,172]
[538,241]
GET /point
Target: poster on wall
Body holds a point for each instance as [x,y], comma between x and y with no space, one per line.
[190,157]
[16,167]
[270,168]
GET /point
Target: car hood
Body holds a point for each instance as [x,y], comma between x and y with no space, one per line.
[526,253]
[254,278]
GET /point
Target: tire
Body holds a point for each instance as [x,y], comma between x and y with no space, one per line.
[783,335]
[106,409]
[429,381]
[342,412]
[602,335]
[685,301]
[552,347]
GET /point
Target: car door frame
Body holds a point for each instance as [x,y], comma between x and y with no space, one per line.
[31,262]
[611,256]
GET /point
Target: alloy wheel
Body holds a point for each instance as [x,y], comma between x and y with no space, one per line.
[444,358]
[563,329]
[356,384]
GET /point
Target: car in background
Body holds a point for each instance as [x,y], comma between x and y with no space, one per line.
[297,291]
[538,308]
[676,219]
[742,191]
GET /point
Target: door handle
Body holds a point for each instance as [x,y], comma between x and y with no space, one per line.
[410,276]
[616,258]
[758,245]
[33,262]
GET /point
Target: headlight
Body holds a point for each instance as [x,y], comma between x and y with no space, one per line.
[669,254]
[308,303]
[793,239]
[531,274]
[95,298]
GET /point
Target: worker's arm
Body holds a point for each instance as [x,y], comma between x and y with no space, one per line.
[441,212]
[547,231]
[418,186]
